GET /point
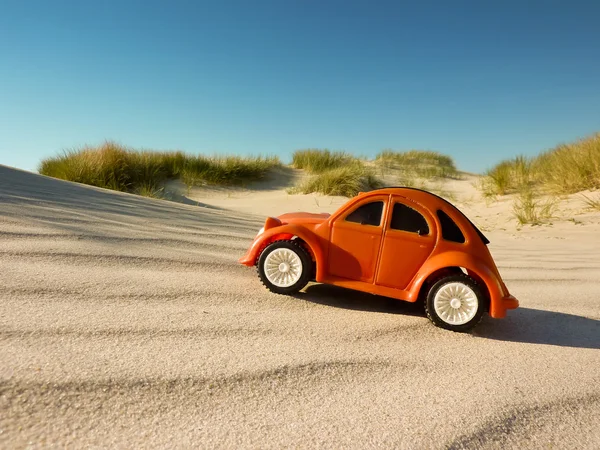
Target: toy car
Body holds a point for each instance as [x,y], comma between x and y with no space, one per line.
[403,243]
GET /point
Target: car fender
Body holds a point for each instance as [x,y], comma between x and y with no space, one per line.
[473,266]
[286,231]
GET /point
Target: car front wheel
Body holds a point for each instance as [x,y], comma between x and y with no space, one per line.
[455,302]
[284,267]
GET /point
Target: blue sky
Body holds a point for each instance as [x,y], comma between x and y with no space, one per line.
[478,80]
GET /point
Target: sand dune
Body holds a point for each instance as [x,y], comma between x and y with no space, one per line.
[127,322]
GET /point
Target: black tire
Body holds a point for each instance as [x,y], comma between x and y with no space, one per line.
[441,283]
[305,259]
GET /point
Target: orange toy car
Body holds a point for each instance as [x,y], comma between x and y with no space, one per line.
[403,243]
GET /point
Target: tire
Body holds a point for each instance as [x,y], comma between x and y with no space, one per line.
[455,302]
[284,267]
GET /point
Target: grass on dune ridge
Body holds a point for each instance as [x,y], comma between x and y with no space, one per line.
[113,166]
[318,161]
[565,169]
[418,163]
[116,167]
[333,173]
[345,181]
[339,173]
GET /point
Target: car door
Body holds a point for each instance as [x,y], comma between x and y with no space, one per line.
[355,240]
[408,241]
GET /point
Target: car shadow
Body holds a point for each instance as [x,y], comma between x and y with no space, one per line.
[526,325]
[537,326]
[338,297]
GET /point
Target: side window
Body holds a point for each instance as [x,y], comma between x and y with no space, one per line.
[407,219]
[368,214]
[450,230]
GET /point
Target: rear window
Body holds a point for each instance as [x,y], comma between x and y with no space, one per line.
[407,219]
[450,231]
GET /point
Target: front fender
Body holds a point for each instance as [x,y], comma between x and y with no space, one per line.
[286,232]
[473,266]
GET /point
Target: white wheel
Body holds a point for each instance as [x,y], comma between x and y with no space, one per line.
[283,267]
[455,302]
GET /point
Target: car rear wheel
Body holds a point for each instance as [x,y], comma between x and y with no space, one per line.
[284,267]
[455,303]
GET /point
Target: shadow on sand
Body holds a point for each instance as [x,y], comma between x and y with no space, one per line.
[536,326]
[531,326]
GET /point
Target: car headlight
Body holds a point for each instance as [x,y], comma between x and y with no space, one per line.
[261,231]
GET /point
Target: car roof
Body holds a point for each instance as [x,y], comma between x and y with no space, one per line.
[406,191]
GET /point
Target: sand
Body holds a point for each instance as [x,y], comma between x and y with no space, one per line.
[127,322]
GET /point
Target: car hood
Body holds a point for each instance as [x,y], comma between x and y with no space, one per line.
[303,217]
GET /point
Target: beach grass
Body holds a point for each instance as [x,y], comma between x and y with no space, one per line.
[320,160]
[116,167]
[419,163]
[346,181]
[570,168]
[530,209]
[565,169]
[508,177]
[592,202]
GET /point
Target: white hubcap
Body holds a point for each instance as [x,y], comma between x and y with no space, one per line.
[283,267]
[455,303]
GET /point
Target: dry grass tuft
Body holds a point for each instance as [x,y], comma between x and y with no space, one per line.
[508,177]
[528,208]
[592,203]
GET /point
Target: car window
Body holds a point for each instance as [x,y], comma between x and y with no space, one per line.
[367,214]
[407,219]
[450,230]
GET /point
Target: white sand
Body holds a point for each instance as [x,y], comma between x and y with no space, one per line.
[127,322]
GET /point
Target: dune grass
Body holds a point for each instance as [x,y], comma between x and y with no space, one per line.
[116,167]
[319,161]
[570,168]
[565,169]
[418,163]
[529,209]
[226,170]
[591,202]
[147,189]
[333,173]
[346,181]
[508,177]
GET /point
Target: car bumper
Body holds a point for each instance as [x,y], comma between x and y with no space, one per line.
[247,259]
[499,308]
[510,302]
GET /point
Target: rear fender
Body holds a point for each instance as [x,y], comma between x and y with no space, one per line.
[475,268]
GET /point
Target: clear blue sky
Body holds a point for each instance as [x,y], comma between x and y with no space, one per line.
[479,80]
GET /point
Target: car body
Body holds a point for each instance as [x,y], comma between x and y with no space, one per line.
[404,243]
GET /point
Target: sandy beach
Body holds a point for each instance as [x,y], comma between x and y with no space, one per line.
[126,322]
